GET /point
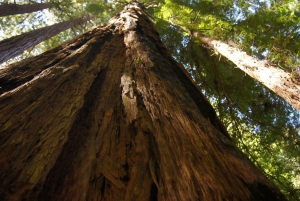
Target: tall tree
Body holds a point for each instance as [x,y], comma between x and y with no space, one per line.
[111,116]
[262,124]
[14,46]
[13,9]
[283,83]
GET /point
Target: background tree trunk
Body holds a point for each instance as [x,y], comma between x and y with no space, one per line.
[280,82]
[14,46]
[276,79]
[111,116]
[13,9]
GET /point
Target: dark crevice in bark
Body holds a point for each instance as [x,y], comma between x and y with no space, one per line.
[102,189]
[154,155]
[261,192]
[153,192]
[25,74]
[136,133]
[125,178]
[76,138]
[11,82]
[77,45]
[62,176]
[95,50]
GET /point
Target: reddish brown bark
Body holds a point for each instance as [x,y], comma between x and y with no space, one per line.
[111,116]
[13,9]
[14,46]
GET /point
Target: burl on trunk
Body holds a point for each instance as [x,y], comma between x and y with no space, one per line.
[111,116]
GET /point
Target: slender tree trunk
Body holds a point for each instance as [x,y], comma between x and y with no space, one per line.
[111,116]
[13,9]
[14,46]
[276,79]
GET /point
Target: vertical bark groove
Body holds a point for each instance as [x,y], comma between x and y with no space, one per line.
[121,120]
[54,185]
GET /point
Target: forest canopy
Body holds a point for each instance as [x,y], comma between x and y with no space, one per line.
[262,124]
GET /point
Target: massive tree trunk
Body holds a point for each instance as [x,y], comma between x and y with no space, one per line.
[13,9]
[14,46]
[111,116]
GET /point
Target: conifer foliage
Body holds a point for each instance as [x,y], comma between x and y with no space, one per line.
[263,125]
[111,116]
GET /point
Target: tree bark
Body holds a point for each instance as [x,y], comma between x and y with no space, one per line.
[13,9]
[276,79]
[279,81]
[14,46]
[111,116]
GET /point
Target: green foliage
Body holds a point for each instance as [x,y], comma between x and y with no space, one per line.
[274,34]
[95,8]
[62,11]
[265,29]
[206,16]
[263,125]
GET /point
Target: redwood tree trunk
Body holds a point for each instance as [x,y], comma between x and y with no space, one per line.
[276,79]
[14,46]
[13,9]
[111,116]
[280,82]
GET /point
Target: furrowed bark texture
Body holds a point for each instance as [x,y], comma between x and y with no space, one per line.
[16,45]
[111,116]
[13,9]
